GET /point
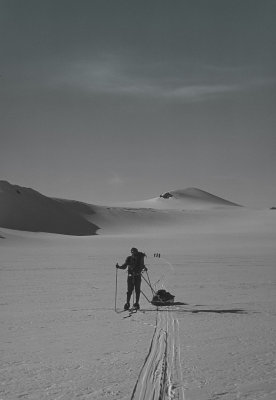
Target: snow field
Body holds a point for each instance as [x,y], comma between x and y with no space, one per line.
[61,339]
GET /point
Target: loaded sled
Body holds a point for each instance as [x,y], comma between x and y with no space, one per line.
[162,298]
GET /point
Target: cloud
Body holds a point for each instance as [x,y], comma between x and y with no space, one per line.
[198,92]
[116,180]
[110,74]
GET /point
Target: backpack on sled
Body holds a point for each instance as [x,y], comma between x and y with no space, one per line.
[162,298]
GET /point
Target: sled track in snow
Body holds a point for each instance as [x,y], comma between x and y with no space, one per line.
[161,377]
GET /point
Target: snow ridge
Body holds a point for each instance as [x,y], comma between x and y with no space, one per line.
[28,210]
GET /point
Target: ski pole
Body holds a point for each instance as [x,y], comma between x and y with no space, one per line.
[116,290]
[150,283]
[145,296]
[153,291]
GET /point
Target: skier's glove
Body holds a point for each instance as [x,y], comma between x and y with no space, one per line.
[117,265]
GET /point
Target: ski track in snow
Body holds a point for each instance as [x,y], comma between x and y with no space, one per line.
[161,376]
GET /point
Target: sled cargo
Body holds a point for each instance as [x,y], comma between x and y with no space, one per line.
[162,298]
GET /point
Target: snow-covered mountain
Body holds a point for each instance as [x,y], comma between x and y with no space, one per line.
[26,209]
[188,199]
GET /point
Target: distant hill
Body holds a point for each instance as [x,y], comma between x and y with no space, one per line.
[28,210]
[197,195]
[183,199]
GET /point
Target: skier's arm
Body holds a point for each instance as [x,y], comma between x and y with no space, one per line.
[123,266]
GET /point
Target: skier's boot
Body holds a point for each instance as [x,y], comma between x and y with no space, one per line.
[136,304]
[126,306]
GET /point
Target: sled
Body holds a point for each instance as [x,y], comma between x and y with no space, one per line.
[162,298]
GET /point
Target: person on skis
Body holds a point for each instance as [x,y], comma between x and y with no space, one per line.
[135,264]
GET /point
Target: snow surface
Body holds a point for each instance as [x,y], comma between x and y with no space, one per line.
[61,337]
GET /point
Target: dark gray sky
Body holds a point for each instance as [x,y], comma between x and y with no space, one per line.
[105,100]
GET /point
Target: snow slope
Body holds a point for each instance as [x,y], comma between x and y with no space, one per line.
[188,199]
[62,338]
[26,209]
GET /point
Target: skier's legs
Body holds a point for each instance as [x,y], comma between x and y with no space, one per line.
[137,284]
[130,287]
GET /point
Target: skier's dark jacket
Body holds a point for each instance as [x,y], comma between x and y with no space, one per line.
[135,264]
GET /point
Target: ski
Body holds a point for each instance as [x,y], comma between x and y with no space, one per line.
[131,311]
